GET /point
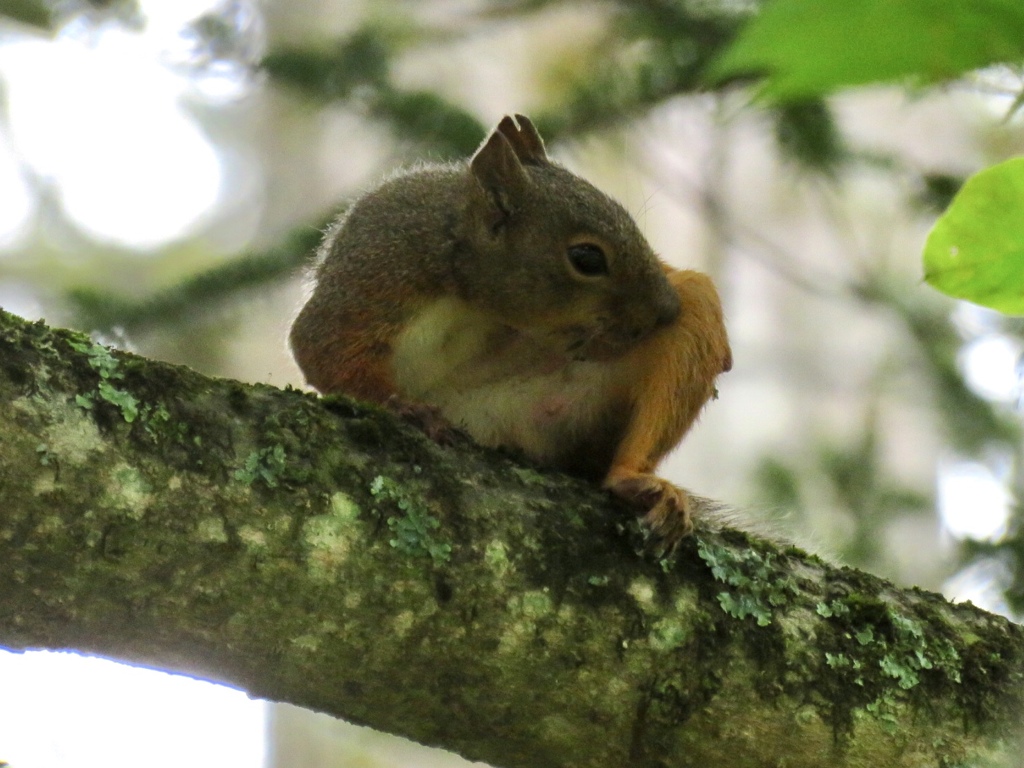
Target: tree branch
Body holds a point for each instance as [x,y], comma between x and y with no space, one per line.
[323,553]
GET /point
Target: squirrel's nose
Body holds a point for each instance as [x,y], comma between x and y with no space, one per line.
[666,308]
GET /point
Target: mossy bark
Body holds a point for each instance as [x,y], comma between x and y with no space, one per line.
[323,553]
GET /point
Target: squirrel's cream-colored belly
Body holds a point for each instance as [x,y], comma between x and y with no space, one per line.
[504,387]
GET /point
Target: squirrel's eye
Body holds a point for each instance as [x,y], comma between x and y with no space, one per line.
[588,259]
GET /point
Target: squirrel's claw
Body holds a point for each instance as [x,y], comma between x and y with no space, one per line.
[666,508]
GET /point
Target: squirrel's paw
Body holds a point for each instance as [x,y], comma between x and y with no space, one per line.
[428,419]
[666,508]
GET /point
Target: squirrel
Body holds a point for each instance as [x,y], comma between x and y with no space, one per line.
[524,306]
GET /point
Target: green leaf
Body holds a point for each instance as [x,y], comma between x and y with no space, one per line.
[812,47]
[975,251]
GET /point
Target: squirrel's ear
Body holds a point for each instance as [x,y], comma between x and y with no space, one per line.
[525,141]
[498,171]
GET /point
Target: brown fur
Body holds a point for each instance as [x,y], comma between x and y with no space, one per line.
[451,287]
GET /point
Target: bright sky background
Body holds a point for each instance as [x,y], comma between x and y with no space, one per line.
[974,499]
[97,115]
[974,502]
[61,710]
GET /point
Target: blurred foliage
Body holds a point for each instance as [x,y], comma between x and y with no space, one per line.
[970,422]
[937,191]
[47,14]
[852,477]
[358,69]
[1009,552]
[653,51]
[101,311]
[361,59]
[806,132]
[35,13]
[862,487]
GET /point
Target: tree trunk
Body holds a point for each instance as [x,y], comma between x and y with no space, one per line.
[323,553]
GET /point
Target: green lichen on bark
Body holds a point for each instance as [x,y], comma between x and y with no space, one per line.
[508,613]
[414,527]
